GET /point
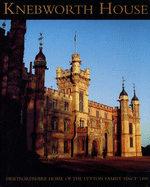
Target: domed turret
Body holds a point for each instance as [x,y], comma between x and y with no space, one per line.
[134,97]
[40,67]
[40,59]
[123,92]
[40,56]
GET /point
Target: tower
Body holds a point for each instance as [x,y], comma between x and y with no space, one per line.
[40,67]
[136,121]
[13,139]
[76,82]
[130,125]
[80,83]
[123,99]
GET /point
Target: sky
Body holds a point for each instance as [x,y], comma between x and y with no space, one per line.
[111,49]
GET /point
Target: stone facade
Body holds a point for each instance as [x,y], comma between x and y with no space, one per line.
[64,123]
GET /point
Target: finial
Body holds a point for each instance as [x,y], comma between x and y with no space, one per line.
[75,39]
[123,82]
[41,43]
[4,25]
[134,88]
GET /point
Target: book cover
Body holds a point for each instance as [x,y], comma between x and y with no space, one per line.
[89,125]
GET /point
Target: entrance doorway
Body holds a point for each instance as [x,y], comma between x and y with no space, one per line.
[94,148]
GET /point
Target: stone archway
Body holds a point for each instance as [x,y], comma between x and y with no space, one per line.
[94,148]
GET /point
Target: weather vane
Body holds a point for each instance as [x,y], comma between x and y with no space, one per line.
[134,88]
[41,37]
[123,82]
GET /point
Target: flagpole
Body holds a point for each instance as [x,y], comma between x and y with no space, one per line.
[75,39]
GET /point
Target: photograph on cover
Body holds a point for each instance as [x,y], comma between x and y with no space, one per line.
[75,102]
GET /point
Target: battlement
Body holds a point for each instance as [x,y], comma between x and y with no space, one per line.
[62,73]
[75,57]
[56,93]
[85,73]
[99,106]
[116,108]
[65,73]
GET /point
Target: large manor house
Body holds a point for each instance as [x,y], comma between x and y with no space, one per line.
[64,122]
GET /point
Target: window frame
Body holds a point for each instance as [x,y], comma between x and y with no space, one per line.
[55,124]
[97,113]
[81,101]
[131,142]
[66,106]
[81,123]
[54,103]
[130,128]
[54,146]
[66,125]
[66,146]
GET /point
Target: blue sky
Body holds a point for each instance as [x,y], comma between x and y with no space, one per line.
[110,48]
